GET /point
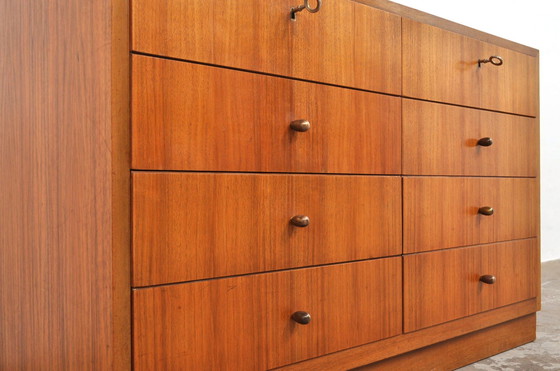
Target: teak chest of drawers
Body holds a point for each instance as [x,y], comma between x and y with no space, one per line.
[350,185]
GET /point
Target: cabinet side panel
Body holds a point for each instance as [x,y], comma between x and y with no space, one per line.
[55,203]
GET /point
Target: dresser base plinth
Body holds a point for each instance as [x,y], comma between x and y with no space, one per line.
[461,351]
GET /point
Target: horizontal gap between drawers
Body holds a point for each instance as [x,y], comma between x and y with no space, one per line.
[329,264]
[265,272]
[470,107]
[477,244]
[472,176]
[324,174]
[253,172]
[320,82]
[260,73]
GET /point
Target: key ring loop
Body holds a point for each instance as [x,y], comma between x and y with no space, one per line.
[310,9]
[307,7]
[494,59]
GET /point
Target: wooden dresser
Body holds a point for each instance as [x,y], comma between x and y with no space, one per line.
[354,184]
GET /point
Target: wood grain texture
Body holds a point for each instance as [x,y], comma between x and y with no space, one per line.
[442,66]
[444,285]
[195,117]
[121,198]
[457,352]
[442,140]
[194,226]
[441,212]
[383,349]
[55,159]
[430,19]
[244,322]
[329,46]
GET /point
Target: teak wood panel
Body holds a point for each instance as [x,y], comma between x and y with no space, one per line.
[243,323]
[441,286]
[443,66]
[57,305]
[442,140]
[440,212]
[201,225]
[345,43]
[195,117]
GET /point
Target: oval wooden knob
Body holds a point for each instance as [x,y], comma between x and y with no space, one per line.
[300,221]
[303,318]
[300,125]
[486,210]
[488,279]
[485,142]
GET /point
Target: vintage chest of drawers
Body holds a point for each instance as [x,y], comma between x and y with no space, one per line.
[354,184]
[309,189]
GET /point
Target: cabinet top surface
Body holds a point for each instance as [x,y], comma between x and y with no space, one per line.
[433,20]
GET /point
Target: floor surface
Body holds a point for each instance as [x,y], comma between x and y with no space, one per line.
[543,353]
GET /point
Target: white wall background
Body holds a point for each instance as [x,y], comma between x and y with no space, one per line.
[536,24]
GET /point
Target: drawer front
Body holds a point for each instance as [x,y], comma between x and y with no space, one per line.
[445,212]
[444,140]
[344,43]
[446,285]
[244,323]
[195,117]
[194,226]
[443,66]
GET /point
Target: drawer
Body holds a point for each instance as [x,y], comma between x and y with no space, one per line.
[443,140]
[195,117]
[445,285]
[441,212]
[244,323]
[344,43]
[189,226]
[443,66]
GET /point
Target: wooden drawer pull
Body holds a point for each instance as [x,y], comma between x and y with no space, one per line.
[300,125]
[303,318]
[300,221]
[485,142]
[495,60]
[486,210]
[488,279]
[305,6]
